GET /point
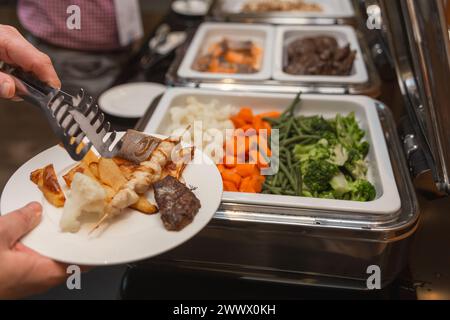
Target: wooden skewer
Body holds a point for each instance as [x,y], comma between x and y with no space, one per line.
[99,223]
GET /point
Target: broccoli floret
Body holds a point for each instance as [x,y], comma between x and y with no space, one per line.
[348,130]
[339,155]
[328,195]
[318,151]
[318,174]
[317,125]
[357,168]
[363,149]
[356,165]
[362,190]
[340,184]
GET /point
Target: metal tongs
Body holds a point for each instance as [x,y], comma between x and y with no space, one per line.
[72,118]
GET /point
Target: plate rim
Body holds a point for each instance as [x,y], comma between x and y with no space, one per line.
[113,112]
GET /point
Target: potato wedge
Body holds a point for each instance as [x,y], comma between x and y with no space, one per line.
[89,158]
[144,206]
[93,166]
[109,173]
[47,182]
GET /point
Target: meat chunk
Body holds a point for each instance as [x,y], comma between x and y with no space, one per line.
[319,55]
[177,203]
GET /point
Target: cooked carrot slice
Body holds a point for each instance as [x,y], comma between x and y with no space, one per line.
[229,175]
[268,127]
[221,167]
[238,122]
[257,183]
[245,169]
[230,162]
[270,114]
[230,186]
[235,57]
[257,124]
[246,114]
[247,185]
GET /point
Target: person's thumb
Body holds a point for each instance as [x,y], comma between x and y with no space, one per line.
[16,224]
[7,86]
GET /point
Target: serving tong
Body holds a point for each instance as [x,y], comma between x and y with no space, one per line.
[72,118]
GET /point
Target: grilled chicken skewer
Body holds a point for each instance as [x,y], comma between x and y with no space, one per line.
[148,173]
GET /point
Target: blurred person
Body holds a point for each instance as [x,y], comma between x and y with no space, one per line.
[22,271]
[92,55]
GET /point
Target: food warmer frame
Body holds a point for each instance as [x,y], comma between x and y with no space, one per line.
[260,243]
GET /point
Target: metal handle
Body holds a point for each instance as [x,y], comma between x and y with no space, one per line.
[28,87]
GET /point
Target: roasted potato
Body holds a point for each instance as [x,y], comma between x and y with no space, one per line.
[144,206]
[109,173]
[93,167]
[47,182]
[90,158]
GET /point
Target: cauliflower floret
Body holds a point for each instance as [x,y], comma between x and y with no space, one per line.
[86,196]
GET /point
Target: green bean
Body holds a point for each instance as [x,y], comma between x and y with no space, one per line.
[274,190]
[288,175]
[274,181]
[273,122]
[297,129]
[299,139]
[304,127]
[289,159]
[290,109]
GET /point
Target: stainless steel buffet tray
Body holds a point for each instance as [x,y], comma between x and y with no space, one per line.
[262,243]
[370,88]
[339,12]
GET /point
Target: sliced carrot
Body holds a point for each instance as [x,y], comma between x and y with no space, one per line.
[229,186]
[221,167]
[238,122]
[268,127]
[245,169]
[229,175]
[216,50]
[270,114]
[263,146]
[257,183]
[230,146]
[248,129]
[234,57]
[230,162]
[247,185]
[257,124]
[246,114]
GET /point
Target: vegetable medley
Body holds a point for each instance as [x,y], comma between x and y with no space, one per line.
[320,158]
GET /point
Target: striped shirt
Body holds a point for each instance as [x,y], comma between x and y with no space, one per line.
[47,20]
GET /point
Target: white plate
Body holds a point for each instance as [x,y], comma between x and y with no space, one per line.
[210,32]
[130,100]
[191,7]
[285,35]
[380,173]
[131,237]
[331,9]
